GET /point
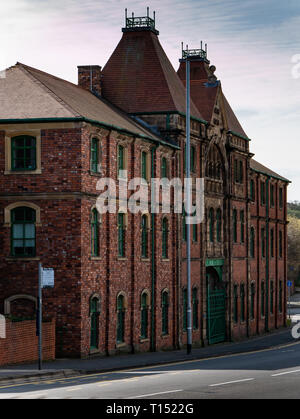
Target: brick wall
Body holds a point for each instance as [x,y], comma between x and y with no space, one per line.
[21,343]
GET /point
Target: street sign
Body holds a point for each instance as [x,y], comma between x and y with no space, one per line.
[47,277]
[289,284]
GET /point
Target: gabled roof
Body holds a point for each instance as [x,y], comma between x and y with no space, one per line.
[28,93]
[258,167]
[232,121]
[139,77]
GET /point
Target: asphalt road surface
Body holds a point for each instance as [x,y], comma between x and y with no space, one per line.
[268,374]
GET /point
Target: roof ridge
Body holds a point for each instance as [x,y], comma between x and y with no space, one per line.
[27,69]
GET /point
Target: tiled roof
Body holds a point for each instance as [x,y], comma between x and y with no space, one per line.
[258,167]
[139,77]
[28,93]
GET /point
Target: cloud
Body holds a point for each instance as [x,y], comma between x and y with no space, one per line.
[250,42]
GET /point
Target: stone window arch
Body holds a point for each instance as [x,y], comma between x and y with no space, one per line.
[9,208]
[8,301]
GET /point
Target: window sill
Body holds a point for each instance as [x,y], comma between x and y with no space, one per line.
[145,259]
[121,345]
[21,259]
[95,258]
[165,260]
[165,336]
[144,340]
[120,258]
[23,172]
[94,351]
[95,174]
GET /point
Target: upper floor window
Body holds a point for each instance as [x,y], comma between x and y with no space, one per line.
[252,190]
[144,166]
[272,195]
[95,153]
[262,193]
[242,219]
[122,160]
[280,244]
[164,168]
[238,171]
[252,242]
[23,237]
[165,233]
[23,153]
[235,226]
[211,225]
[144,236]
[121,235]
[192,158]
[94,233]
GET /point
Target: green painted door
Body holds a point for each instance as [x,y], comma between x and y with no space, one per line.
[216,310]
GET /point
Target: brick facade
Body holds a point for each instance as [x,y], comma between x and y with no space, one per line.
[65,193]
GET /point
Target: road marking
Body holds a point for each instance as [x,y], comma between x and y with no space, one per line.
[232,382]
[284,373]
[74,389]
[154,394]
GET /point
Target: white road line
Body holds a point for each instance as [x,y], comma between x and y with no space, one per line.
[232,382]
[154,394]
[284,373]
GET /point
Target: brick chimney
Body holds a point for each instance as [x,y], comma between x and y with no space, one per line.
[89,78]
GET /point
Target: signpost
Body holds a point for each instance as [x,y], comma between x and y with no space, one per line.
[46,280]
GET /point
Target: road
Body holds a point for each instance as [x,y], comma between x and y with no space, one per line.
[263,374]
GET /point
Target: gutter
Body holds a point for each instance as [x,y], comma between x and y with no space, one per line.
[91,121]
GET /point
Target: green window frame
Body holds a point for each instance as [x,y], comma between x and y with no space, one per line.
[263,243]
[272,195]
[144,165]
[144,238]
[23,232]
[121,235]
[120,318]
[272,242]
[94,233]
[195,303]
[262,303]
[95,155]
[242,294]
[184,310]
[252,301]
[164,168]
[211,225]
[165,313]
[219,225]
[252,242]
[280,244]
[121,159]
[165,238]
[144,316]
[252,190]
[262,193]
[23,153]
[235,226]
[235,304]
[242,219]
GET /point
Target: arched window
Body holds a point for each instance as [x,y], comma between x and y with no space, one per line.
[23,153]
[211,225]
[195,308]
[94,233]
[165,239]
[23,237]
[242,220]
[219,225]
[94,314]
[121,235]
[144,237]
[95,155]
[144,315]
[252,242]
[165,312]
[120,318]
[164,169]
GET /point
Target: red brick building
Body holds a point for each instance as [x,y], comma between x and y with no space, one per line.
[120,279]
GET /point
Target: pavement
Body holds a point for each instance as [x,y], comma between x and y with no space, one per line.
[62,368]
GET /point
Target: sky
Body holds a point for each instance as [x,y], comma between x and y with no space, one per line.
[254,44]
